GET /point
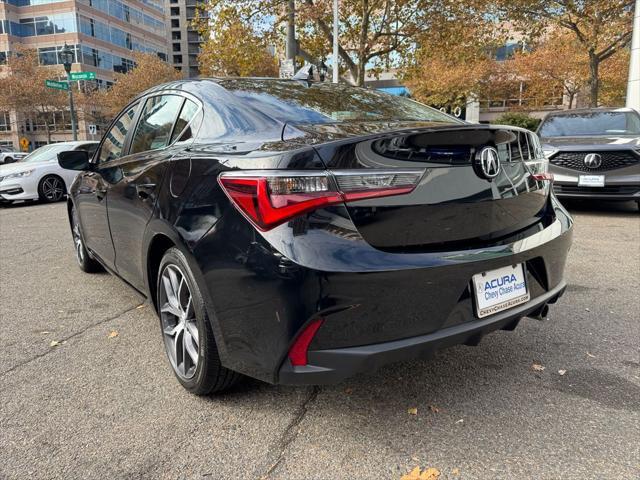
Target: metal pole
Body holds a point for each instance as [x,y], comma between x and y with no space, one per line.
[74,130]
[291,49]
[336,34]
[633,87]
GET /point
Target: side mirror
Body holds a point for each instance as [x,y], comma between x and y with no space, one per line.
[74,160]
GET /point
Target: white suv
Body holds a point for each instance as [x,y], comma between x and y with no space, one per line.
[8,155]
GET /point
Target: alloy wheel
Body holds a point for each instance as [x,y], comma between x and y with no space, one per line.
[77,238]
[52,189]
[179,325]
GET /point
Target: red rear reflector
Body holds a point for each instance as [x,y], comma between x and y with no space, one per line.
[298,351]
[270,198]
[543,177]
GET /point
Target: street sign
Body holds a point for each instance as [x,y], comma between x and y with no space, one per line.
[24,144]
[287,69]
[82,75]
[56,84]
[93,129]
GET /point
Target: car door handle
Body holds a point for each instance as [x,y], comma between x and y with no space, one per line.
[144,190]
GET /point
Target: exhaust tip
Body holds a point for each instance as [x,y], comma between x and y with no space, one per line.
[541,313]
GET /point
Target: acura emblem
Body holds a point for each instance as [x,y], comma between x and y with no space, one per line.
[489,162]
[593,160]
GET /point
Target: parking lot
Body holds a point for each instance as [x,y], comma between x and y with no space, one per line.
[86,391]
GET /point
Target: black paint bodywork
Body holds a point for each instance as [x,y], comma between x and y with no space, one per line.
[390,274]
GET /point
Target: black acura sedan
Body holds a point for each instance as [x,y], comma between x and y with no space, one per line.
[301,232]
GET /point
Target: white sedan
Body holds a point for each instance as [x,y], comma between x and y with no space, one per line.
[38,175]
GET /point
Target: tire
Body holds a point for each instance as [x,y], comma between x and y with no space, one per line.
[186,330]
[51,189]
[8,160]
[85,261]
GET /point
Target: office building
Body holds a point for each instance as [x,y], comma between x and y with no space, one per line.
[102,33]
[184,40]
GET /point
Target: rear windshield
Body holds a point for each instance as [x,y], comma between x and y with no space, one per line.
[591,123]
[298,102]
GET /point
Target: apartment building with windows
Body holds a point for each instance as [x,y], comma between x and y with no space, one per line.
[184,41]
[104,34]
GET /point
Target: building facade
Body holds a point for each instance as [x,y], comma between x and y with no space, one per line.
[103,34]
[184,41]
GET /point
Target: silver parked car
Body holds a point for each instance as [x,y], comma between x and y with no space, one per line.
[594,153]
[9,155]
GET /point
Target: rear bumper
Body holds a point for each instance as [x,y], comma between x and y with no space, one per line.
[377,306]
[334,365]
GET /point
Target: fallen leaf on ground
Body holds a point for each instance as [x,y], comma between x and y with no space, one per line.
[113,334]
[54,343]
[537,367]
[412,411]
[348,391]
[455,471]
[416,474]
[561,372]
[434,409]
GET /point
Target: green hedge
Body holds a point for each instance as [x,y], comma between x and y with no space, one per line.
[518,120]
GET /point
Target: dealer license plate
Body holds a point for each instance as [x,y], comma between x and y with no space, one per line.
[591,181]
[500,289]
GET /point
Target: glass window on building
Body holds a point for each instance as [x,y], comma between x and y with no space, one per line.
[5,122]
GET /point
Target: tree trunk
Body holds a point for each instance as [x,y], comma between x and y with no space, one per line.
[362,69]
[594,64]
[46,126]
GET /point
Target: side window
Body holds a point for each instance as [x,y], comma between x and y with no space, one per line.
[189,109]
[114,139]
[156,123]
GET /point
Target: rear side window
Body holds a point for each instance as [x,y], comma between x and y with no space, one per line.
[115,137]
[189,109]
[156,123]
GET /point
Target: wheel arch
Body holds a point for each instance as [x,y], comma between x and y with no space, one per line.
[159,237]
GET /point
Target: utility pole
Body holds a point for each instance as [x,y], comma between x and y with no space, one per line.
[633,87]
[291,45]
[336,34]
[67,56]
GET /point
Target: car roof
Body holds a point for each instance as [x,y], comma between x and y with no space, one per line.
[590,110]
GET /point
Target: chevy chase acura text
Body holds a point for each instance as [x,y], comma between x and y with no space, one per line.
[301,232]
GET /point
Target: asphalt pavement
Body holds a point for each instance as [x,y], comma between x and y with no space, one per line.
[86,391]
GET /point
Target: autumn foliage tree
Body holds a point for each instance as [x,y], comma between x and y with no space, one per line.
[374,34]
[557,63]
[234,46]
[601,28]
[22,83]
[457,62]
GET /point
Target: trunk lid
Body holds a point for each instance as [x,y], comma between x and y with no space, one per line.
[457,203]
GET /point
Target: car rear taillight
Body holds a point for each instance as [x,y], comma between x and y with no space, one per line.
[268,198]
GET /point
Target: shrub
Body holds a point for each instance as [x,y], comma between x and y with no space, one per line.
[518,119]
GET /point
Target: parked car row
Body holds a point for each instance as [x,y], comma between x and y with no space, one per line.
[38,176]
[248,210]
[9,155]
